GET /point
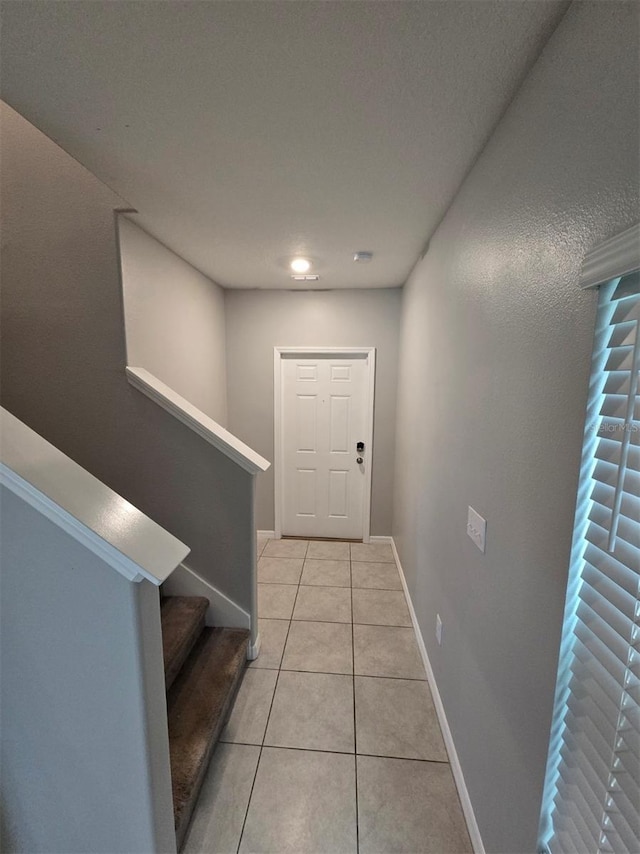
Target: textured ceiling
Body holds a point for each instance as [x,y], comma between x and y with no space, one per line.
[247,132]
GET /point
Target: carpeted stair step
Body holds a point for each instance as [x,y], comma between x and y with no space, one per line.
[198,705]
[182,622]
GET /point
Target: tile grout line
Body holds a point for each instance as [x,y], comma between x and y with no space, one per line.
[340,623]
[342,559]
[326,587]
[266,726]
[339,752]
[355,722]
[334,673]
[336,586]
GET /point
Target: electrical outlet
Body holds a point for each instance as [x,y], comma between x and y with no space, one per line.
[477,528]
[439,629]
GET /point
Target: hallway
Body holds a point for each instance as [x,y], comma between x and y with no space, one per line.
[339,674]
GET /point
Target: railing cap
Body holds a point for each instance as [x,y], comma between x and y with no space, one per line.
[194,418]
[87,509]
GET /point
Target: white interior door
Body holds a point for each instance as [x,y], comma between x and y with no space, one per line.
[325,404]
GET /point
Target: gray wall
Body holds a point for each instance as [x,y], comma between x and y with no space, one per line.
[85,751]
[258,321]
[174,319]
[63,361]
[494,366]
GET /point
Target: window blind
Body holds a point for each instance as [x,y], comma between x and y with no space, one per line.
[592,792]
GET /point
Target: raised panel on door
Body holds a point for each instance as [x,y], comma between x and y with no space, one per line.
[307,373]
[340,373]
[324,414]
[306,420]
[339,423]
[338,493]
[306,495]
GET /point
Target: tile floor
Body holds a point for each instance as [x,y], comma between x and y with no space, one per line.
[333,745]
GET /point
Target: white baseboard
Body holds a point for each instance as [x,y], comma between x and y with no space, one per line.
[456,768]
[372,539]
[253,650]
[222,611]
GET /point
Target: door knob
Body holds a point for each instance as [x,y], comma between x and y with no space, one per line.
[359,460]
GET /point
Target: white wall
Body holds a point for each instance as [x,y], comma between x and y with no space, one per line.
[258,321]
[174,318]
[494,366]
[85,750]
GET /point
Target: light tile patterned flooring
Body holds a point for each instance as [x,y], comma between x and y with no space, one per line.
[333,745]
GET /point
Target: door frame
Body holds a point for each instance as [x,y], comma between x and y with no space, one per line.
[279,353]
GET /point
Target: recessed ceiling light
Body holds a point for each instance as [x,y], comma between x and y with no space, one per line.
[363,257]
[300,265]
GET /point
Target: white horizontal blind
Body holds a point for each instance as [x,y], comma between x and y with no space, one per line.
[592,797]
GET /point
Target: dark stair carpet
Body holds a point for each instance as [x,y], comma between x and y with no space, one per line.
[182,623]
[203,685]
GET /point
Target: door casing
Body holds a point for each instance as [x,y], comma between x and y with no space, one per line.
[279,353]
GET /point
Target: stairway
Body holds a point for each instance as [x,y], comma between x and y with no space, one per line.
[203,669]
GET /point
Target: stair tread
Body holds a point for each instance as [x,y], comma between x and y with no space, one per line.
[198,704]
[182,621]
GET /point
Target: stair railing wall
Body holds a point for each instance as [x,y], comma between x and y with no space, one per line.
[247,464]
[85,750]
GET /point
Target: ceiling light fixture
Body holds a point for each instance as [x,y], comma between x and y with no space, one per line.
[300,265]
[363,257]
[311,278]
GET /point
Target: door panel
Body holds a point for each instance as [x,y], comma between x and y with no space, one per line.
[307,372]
[306,420]
[324,414]
[306,495]
[340,373]
[339,424]
[338,493]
